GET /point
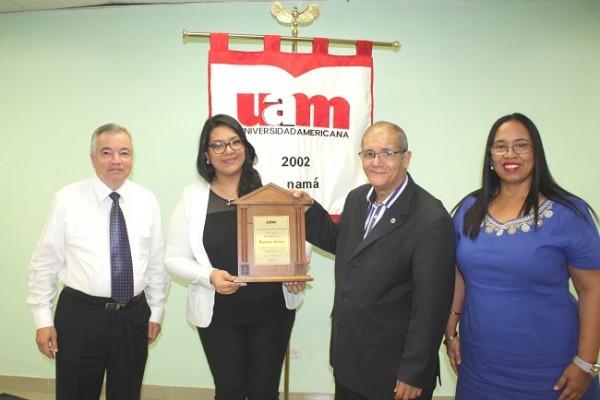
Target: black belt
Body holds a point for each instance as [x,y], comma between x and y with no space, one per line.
[104,302]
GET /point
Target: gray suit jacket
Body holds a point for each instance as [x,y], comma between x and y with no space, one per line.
[393,290]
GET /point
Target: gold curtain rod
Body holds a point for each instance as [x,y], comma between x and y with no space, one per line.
[393,45]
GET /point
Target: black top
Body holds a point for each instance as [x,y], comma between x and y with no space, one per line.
[253,302]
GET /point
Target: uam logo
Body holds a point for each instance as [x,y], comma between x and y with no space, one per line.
[293,110]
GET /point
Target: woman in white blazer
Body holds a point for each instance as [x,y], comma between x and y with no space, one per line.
[244,329]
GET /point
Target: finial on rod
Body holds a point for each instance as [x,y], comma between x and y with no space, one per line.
[294,17]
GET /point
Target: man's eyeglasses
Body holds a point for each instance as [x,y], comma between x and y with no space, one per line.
[501,149]
[219,147]
[383,154]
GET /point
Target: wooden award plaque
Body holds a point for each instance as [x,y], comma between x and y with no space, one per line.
[271,236]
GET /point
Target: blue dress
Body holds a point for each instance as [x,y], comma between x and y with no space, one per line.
[519,326]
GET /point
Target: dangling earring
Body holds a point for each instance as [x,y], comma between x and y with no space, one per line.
[491,166]
[207,161]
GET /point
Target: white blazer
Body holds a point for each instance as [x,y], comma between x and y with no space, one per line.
[186,258]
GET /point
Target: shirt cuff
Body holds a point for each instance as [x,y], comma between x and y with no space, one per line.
[156,314]
[43,318]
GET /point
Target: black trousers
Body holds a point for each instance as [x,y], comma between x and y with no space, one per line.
[343,393]
[246,359]
[93,341]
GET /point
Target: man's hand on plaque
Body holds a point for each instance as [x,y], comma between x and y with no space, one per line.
[302,195]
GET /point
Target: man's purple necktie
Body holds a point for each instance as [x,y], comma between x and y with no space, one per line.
[121,267]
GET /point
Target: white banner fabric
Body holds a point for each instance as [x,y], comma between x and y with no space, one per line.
[305,113]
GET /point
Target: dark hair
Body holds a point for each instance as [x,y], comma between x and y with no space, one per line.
[542,182]
[250,178]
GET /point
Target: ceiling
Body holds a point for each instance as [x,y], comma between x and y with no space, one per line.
[7,6]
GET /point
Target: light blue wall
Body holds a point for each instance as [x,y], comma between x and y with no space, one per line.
[462,65]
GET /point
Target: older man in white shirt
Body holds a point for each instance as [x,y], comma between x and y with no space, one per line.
[93,333]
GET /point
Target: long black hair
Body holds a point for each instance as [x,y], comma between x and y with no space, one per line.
[542,182]
[250,178]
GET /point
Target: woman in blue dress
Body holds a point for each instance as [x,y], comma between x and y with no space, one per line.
[520,239]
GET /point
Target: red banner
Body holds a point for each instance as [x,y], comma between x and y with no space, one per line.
[305,113]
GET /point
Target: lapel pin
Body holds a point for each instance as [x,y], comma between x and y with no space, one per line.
[393,220]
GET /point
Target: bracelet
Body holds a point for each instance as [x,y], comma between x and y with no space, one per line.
[451,338]
[455,313]
[592,369]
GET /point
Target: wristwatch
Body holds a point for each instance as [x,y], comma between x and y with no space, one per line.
[592,369]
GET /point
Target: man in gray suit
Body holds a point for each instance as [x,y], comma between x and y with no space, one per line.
[394,276]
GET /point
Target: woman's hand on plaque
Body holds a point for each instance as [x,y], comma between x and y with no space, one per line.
[294,287]
[224,282]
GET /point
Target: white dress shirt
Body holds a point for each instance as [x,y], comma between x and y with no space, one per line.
[74,247]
